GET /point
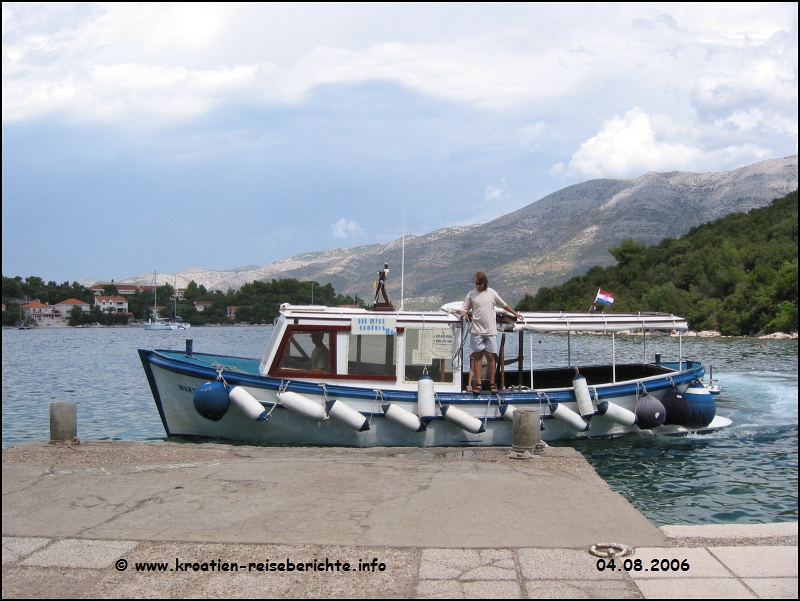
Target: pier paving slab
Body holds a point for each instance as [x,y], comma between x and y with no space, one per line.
[467,564]
[694,588]
[563,564]
[491,589]
[16,547]
[74,553]
[702,564]
[773,588]
[732,531]
[758,562]
[582,589]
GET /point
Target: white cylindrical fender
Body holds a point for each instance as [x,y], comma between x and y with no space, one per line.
[581,389]
[247,403]
[616,414]
[404,418]
[338,410]
[426,399]
[300,404]
[508,411]
[462,419]
[569,417]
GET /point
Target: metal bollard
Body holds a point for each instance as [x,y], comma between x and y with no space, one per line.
[189,343]
[63,421]
[526,430]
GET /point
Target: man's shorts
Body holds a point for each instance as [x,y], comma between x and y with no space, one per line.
[479,343]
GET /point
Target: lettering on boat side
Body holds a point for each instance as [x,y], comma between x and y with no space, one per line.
[187,388]
[377,326]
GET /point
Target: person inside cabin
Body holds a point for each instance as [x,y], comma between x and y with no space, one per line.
[320,356]
[483,335]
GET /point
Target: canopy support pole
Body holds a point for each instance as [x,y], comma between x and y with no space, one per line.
[530,343]
[644,344]
[613,357]
[569,349]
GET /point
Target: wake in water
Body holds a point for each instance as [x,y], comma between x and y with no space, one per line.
[746,474]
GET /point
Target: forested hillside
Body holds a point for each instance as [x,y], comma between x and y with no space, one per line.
[737,275]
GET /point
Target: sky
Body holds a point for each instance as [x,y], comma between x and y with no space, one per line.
[167,136]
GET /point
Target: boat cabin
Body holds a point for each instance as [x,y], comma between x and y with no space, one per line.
[365,348]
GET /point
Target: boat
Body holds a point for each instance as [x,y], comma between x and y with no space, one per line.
[386,377]
[27,323]
[165,324]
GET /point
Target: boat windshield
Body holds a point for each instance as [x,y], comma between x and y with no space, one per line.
[308,351]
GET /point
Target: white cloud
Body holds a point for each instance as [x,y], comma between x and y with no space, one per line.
[494,193]
[344,228]
[637,142]
[531,135]
[55,57]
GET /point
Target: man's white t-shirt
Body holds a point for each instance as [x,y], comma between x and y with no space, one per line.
[484,320]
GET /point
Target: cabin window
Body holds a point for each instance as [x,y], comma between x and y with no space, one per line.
[308,351]
[372,355]
[431,349]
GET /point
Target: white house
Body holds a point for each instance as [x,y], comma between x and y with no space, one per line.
[124,289]
[111,304]
[42,314]
[65,307]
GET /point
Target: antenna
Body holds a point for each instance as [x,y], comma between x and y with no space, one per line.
[403,261]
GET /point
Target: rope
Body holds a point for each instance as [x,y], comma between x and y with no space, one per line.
[325,394]
[220,366]
[436,396]
[220,369]
[544,394]
[378,395]
[486,415]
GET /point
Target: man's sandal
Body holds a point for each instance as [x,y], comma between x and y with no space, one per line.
[493,388]
[476,387]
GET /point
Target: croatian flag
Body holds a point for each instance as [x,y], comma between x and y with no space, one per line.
[604,298]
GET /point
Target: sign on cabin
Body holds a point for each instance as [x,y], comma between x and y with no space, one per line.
[375,326]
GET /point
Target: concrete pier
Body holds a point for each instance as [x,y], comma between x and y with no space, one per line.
[428,522]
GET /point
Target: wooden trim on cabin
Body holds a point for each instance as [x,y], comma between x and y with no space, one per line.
[276,371]
[275,368]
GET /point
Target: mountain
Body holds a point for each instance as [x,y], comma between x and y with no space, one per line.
[542,244]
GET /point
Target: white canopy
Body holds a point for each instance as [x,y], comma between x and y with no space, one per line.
[588,322]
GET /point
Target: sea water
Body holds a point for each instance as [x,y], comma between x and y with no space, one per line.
[744,474]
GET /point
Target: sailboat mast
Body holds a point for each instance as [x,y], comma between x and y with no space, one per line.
[403,259]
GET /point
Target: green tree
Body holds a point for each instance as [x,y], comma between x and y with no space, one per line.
[737,275]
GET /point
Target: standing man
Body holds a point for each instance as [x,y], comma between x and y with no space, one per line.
[483,336]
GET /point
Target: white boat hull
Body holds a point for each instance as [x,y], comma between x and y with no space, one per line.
[174,392]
